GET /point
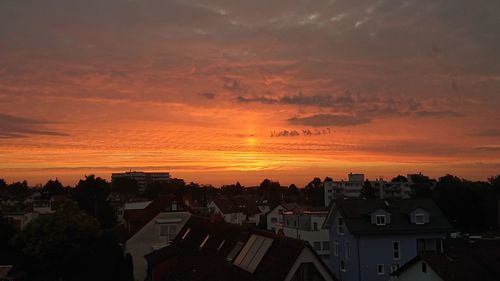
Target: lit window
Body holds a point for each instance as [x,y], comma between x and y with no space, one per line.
[396,250]
[419,219]
[380,219]
[380,269]
[340,223]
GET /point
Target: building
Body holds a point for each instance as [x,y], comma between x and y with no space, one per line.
[472,260]
[236,209]
[306,224]
[143,178]
[370,238]
[274,218]
[150,226]
[219,251]
[353,186]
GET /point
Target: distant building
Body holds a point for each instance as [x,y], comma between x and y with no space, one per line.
[274,217]
[370,238]
[236,209]
[219,251]
[143,178]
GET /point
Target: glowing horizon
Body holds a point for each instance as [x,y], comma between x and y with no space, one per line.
[217,92]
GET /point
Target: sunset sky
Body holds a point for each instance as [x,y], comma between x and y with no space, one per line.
[220,91]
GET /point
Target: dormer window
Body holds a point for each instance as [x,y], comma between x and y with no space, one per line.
[419,219]
[380,219]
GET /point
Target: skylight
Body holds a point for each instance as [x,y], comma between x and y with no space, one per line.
[253,252]
[204,241]
[186,233]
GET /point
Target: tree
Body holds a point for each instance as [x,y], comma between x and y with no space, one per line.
[399,178]
[7,232]
[53,187]
[91,194]
[495,184]
[368,191]
[18,189]
[125,187]
[422,186]
[3,186]
[53,242]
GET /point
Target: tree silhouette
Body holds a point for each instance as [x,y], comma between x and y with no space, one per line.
[399,178]
[367,191]
[53,187]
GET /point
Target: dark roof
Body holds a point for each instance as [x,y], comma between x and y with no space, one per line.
[465,261]
[356,214]
[184,260]
[237,204]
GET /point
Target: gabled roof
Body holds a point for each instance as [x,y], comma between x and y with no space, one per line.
[356,214]
[237,204]
[465,261]
[186,260]
[138,218]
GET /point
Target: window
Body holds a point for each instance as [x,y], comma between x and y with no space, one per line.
[315,226]
[221,244]
[253,252]
[169,231]
[235,251]
[380,269]
[340,223]
[396,250]
[326,245]
[274,220]
[380,219]
[186,233]
[317,246]
[419,219]
[204,241]
[394,267]
[347,251]
[336,248]
[342,265]
[424,267]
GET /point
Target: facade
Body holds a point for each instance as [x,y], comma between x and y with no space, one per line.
[234,253]
[151,228]
[307,225]
[143,178]
[274,218]
[370,238]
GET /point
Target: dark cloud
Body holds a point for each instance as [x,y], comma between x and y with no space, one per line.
[208,95]
[487,133]
[489,148]
[17,127]
[438,114]
[303,132]
[325,120]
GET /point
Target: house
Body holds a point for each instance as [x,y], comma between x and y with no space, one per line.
[306,224]
[150,226]
[216,250]
[469,260]
[275,216]
[371,238]
[236,209]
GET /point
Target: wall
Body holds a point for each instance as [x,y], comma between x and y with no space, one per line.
[414,273]
[148,238]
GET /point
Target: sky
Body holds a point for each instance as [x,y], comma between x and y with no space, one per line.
[223,91]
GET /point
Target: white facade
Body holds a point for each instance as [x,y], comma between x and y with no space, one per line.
[236,218]
[275,219]
[308,227]
[156,234]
